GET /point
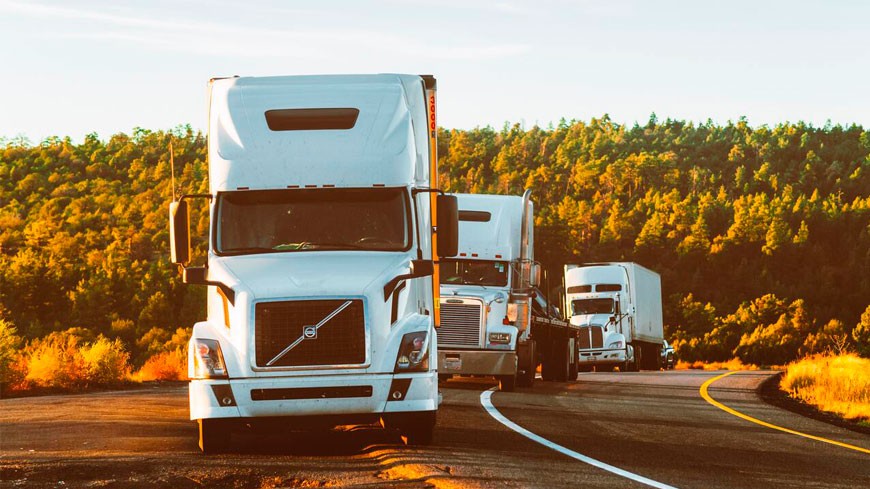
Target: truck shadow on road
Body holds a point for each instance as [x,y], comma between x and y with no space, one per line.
[343,441]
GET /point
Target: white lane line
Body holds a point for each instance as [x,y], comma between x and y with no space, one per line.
[486,401]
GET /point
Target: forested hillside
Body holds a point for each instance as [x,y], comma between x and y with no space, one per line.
[761,235]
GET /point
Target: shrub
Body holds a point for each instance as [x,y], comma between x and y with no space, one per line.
[104,361]
[63,360]
[53,361]
[838,384]
[12,371]
[861,334]
[733,364]
[167,365]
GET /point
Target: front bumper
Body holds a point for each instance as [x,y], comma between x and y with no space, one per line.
[313,395]
[601,357]
[477,362]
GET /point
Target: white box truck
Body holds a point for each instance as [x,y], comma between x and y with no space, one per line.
[322,256]
[618,307]
[494,321]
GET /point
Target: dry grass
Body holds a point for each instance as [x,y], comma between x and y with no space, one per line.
[733,364]
[834,383]
[168,365]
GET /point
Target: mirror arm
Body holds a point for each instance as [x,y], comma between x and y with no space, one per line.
[196,196]
[188,278]
[392,284]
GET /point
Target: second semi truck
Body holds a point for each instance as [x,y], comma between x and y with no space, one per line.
[494,320]
[618,306]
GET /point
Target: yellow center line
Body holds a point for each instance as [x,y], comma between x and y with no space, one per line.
[727,409]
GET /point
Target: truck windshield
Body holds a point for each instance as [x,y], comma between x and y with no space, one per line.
[473,272]
[268,221]
[592,306]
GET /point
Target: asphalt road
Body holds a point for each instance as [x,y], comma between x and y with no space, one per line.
[653,426]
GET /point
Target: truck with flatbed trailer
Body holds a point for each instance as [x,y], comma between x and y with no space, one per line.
[492,321]
[618,307]
[322,263]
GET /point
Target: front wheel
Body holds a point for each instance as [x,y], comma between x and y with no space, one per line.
[214,435]
[419,429]
[507,383]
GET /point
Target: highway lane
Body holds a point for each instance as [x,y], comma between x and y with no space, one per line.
[654,424]
[657,425]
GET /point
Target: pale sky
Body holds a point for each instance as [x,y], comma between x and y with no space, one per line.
[68,68]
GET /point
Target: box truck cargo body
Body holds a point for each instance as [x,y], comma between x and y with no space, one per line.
[618,307]
[322,256]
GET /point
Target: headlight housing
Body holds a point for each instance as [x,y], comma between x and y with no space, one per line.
[413,353]
[616,344]
[208,360]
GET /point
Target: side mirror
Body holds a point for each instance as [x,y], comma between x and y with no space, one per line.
[422,268]
[179,233]
[535,275]
[448,225]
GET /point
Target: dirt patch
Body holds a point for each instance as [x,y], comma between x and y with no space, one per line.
[771,393]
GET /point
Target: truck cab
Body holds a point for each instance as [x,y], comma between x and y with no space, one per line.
[597,303]
[486,289]
[618,307]
[321,266]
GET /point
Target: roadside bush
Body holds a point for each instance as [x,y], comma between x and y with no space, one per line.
[63,360]
[53,361]
[861,334]
[167,365]
[105,362]
[11,371]
[733,364]
[838,384]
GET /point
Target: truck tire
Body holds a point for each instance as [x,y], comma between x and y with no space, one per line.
[419,429]
[633,365]
[214,436]
[526,376]
[507,383]
[562,362]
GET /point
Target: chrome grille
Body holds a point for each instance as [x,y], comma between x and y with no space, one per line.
[340,340]
[591,337]
[460,324]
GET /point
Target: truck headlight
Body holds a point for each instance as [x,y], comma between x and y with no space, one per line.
[413,353]
[208,360]
[615,344]
[500,338]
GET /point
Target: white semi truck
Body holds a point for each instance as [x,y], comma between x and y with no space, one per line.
[618,307]
[322,259]
[494,320]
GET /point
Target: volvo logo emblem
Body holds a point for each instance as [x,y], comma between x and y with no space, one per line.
[309,332]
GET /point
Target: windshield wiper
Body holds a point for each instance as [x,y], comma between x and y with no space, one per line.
[307,245]
[250,249]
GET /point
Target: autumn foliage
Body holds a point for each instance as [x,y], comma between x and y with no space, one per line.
[761,235]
